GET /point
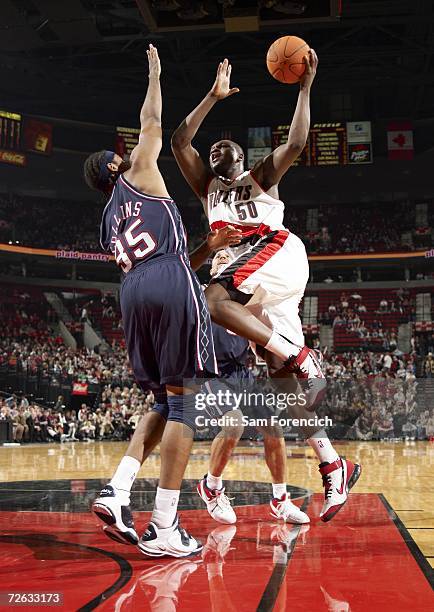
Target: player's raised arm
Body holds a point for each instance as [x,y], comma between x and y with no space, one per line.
[144,172]
[188,158]
[150,139]
[270,170]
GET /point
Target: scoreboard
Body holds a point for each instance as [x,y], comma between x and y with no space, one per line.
[331,144]
[10,131]
[20,135]
[126,139]
[326,145]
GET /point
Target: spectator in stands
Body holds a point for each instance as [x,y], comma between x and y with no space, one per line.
[383,306]
[363,427]
[344,300]
[20,427]
[428,366]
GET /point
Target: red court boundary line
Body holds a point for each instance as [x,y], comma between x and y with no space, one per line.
[416,552]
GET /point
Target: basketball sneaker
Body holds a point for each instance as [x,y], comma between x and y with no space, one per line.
[283,508]
[307,367]
[337,478]
[217,503]
[171,541]
[112,508]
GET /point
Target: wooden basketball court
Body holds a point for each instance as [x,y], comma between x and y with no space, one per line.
[376,554]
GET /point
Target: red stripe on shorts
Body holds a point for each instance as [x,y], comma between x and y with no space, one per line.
[246,230]
[260,258]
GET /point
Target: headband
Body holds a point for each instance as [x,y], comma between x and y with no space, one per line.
[106,177]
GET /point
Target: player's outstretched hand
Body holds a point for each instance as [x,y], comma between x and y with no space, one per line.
[222,84]
[154,62]
[311,62]
[222,238]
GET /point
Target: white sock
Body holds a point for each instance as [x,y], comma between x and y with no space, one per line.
[322,447]
[279,490]
[125,474]
[165,507]
[281,347]
[214,482]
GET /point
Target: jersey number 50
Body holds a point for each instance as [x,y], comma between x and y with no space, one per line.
[143,242]
[243,213]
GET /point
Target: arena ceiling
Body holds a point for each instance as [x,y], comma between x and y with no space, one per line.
[85,59]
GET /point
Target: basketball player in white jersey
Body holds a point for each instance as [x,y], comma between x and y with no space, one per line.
[258,293]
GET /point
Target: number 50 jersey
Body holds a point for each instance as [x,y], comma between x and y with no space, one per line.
[136,227]
[242,203]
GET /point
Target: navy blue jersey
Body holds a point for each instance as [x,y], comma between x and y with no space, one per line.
[136,227]
[231,350]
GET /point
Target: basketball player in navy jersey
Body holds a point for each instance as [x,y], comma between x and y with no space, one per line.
[257,294]
[234,376]
[168,340]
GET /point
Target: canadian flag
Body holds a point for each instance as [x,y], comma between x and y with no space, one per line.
[400,140]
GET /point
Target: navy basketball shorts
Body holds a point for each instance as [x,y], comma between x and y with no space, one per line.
[228,391]
[166,323]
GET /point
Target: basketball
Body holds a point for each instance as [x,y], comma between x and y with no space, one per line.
[285,59]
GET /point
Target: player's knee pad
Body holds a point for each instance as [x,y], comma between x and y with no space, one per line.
[183,409]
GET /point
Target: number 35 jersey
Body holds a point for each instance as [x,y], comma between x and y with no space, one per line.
[136,227]
[242,203]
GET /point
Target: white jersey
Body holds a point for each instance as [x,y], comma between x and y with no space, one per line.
[272,272]
[242,203]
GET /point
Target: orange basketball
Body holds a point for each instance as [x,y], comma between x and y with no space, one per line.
[285,59]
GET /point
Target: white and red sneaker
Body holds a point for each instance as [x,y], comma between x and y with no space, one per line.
[217,503]
[283,508]
[307,367]
[337,478]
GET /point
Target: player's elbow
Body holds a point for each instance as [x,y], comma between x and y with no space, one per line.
[149,123]
[178,141]
[295,147]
